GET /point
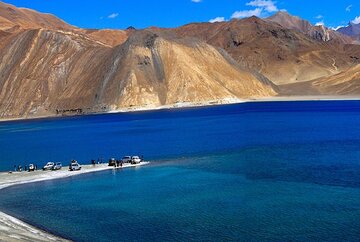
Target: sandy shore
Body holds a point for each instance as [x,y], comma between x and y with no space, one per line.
[12,229]
[204,104]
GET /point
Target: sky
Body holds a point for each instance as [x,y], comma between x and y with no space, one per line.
[120,14]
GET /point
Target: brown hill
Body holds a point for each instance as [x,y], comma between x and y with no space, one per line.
[320,33]
[282,55]
[13,19]
[49,72]
[11,16]
[290,22]
[344,83]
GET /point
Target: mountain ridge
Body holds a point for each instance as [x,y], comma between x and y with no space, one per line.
[352,30]
[49,67]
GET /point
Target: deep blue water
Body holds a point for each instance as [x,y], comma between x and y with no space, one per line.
[259,171]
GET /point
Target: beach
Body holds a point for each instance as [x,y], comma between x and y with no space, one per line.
[12,229]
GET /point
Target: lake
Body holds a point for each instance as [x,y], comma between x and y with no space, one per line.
[252,171]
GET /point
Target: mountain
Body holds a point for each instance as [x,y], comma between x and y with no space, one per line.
[13,17]
[283,55]
[320,32]
[290,22]
[46,72]
[344,83]
[352,30]
[48,67]
[108,36]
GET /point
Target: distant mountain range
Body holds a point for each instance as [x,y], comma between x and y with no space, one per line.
[49,67]
[352,30]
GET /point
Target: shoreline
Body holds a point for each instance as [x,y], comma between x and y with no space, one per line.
[13,229]
[209,103]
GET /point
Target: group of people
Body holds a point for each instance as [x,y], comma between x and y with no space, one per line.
[20,168]
[118,163]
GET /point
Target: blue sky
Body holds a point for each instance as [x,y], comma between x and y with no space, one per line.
[119,14]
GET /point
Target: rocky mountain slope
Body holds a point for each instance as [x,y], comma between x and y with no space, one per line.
[320,32]
[45,72]
[108,36]
[352,30]
[344,83]
[282,54]
[12,17]
[48,67]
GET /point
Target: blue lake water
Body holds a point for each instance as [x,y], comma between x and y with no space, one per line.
[257,171]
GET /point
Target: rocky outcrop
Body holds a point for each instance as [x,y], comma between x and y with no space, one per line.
[320,33]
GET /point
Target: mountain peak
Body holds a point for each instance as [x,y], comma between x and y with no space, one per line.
[352,30]
[282,13]
[290,22]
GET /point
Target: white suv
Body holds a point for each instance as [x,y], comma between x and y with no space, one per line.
[74,166]
[48,166]
[135,160]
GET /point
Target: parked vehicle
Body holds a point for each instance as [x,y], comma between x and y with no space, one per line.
[126,159]
[74,166]
[135,160]
[48,166]
[57,166]
[112,162]
[31,167]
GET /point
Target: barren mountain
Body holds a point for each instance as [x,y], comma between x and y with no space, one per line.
[108,36]
[11,16]
[344,83]
[13,19]
[281,54]
[48,72]
[320,32]
[352,30]
[48,67]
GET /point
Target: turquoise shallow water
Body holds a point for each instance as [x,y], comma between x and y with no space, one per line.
[264,171]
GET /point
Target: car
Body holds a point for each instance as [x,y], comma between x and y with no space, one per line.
[31,167]
[112,162]
[135,160]
[57,166]
[74,166]
[48,166]
[126,159]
